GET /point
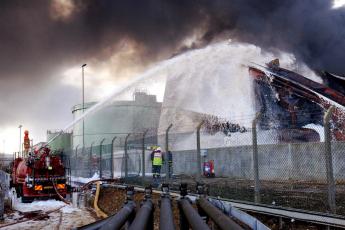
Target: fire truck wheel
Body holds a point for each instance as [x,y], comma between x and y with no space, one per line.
[27,199]
[19,191]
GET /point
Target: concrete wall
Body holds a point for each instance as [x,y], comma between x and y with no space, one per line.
[302,161]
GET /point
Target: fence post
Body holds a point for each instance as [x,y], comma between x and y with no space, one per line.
[328,159]
[81,161]
[90,159]
[256,159]
[198,150]
[143,152]
[126,155]
[112,158]
[167,173]
[100,158]
[75,161]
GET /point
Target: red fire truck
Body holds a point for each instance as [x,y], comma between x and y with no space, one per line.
[39,174]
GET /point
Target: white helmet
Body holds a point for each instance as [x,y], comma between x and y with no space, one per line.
[159,149]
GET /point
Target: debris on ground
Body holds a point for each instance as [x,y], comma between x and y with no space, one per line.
[49,214]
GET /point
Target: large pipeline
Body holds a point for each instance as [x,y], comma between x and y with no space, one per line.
[195,221]
[115,221]
[92,226]
[166,221]
[218,217]
[120,218]
[144,217]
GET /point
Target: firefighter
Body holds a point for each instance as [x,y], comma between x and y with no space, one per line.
[157,162]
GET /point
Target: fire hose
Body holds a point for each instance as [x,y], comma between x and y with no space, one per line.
[59,195]
[99,212]
[85,186]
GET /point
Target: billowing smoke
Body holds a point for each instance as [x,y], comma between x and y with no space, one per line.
[39,39]
[39,35]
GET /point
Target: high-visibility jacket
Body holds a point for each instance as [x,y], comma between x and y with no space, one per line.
[157,158]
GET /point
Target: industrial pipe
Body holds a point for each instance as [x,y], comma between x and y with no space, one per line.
[142,219]
[195,221]
[115,221]
[218,217]
[166,215]
[93,226]
[118,220]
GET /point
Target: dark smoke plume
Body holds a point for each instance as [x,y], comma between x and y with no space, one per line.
[32,40]
[37,41]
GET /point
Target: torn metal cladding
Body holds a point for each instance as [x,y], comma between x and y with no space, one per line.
[283,95]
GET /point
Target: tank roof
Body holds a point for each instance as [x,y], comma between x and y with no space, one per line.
[140,99]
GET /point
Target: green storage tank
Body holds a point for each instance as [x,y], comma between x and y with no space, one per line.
[62,142]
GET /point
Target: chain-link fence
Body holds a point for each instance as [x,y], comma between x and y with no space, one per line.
[286,166]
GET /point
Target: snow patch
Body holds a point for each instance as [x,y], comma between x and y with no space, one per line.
[69,209]
[46,205]
[65,218]
[85,180]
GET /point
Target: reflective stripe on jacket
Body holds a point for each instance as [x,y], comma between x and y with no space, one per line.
[157,158]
